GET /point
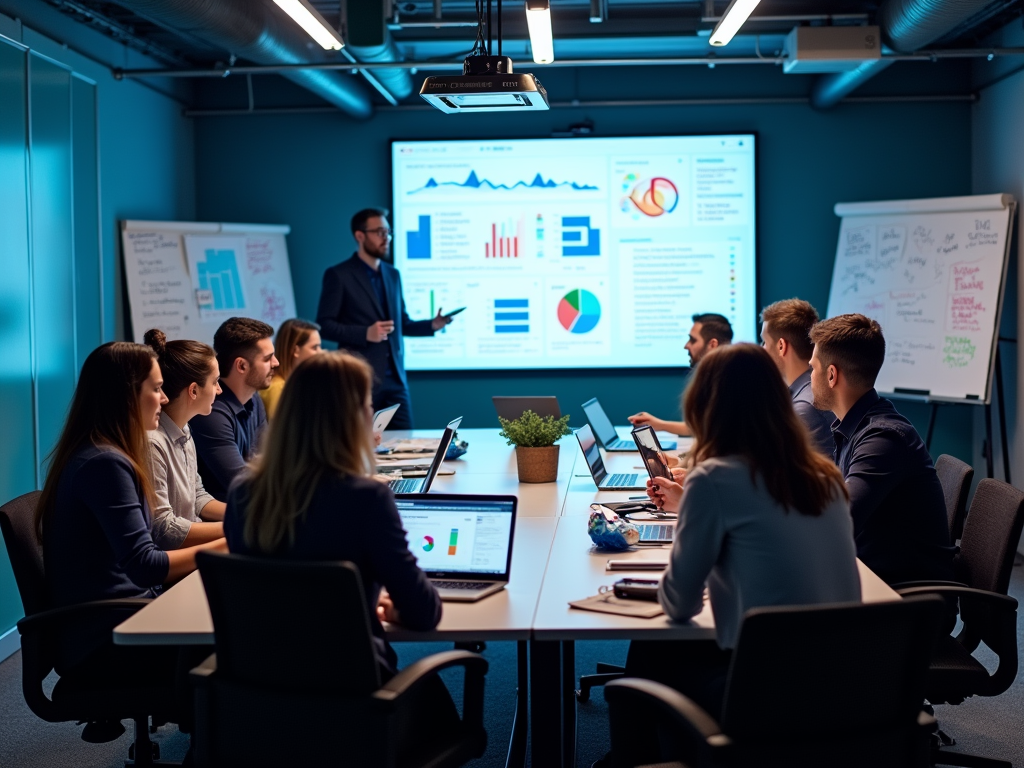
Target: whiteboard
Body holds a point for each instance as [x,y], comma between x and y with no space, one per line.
[186,278]
[932,273]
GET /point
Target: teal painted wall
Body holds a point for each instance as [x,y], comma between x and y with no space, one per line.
[78,151]
[313,171]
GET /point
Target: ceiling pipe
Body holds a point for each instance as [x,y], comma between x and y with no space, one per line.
[368,40]
[252,30]
[906,26]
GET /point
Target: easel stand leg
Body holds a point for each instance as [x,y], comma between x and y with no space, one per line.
[989,448]
[931,426]
[1002,420]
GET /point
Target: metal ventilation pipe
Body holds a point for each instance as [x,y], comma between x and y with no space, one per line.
[251,30]
[367,38]
[906,26]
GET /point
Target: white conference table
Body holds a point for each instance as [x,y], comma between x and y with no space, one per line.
[553,562]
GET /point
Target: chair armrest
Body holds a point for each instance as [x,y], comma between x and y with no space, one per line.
[705,725]
[936,583]
[412,677]
[993,599]
[56,618]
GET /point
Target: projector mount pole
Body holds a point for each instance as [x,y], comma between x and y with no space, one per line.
[489,32]
[499,27]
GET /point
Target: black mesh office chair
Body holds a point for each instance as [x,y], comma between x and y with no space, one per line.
[991,532]
[955,477]
[839,685]
[295,680]
[101,707]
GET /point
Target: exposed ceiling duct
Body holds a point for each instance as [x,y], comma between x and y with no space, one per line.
[368,39]
[249,29]
[906,26]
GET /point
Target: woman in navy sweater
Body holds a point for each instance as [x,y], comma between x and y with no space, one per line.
[309,496]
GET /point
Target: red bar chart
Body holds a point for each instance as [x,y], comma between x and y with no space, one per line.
[506,240]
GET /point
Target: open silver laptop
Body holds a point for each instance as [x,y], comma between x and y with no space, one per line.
[463,543]
[605,432]
[383,417]
[422,484]
[510,408]
[630,481]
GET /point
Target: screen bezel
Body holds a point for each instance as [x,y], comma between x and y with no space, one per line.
[647,455]
[755,338]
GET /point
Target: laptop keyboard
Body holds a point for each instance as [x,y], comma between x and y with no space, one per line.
[621,479]
[620,443]
[461,584]
[655,532]
[405,486]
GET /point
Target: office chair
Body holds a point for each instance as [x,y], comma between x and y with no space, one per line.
[837,685]
[295,679]
[991,532]
[955,478]
[101,708]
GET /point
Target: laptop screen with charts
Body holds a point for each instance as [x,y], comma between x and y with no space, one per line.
[422,484]
[629,481]
[605,432]
[511,408]
[463,543]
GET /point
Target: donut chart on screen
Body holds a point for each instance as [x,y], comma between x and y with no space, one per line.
[428,543]
[579,311]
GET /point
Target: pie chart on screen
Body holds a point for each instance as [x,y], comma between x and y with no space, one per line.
[579,311]
[428,543]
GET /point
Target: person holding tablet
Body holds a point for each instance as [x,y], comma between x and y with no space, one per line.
[758,525]
[190,374]
[296,340]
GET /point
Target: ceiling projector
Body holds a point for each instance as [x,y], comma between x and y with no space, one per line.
[487,84]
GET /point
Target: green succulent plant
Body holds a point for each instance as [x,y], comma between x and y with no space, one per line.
[532,431]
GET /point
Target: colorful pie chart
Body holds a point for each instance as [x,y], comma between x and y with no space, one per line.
[579,311]
[428,543]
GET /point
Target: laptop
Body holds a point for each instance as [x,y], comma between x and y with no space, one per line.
[605,432]
[651,452]
[510,408]
[422,484]
[382,418]
[463,543]
[592,453]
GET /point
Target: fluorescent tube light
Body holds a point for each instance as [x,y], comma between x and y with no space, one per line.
[538,19]
[306,16]
[731,21]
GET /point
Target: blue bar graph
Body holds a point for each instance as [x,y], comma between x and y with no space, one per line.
[219,275]
[511,329]
[511,322]
[586,240]
[511,315]
[418,241]
[511,303]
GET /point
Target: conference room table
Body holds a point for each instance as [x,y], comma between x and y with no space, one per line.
[553,563]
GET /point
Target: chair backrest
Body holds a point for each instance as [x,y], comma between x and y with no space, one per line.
[291,625]
[955,477]
[792,666]
[26,553]
[991,532]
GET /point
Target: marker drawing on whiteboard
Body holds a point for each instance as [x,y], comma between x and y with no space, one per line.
[958,351]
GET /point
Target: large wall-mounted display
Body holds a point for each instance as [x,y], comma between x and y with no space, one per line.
[573,253]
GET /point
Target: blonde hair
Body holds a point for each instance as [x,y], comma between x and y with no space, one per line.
[320,430]
[291,335]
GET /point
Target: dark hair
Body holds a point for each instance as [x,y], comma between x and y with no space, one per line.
[182,361]
[792,320]
[238,337]
[852,343]
[738,405]
[360,219]
[104,410]
[291,334]
[714,326]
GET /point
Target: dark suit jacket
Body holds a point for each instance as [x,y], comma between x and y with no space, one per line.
[349,305]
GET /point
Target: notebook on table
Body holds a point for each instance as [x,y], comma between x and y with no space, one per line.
[422,484]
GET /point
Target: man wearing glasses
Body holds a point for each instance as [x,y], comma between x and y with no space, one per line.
[362,308]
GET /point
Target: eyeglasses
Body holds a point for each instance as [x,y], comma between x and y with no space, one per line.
[381,232]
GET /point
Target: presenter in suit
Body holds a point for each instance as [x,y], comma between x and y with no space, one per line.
[363,310]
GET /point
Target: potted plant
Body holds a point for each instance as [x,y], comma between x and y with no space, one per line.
[534,438]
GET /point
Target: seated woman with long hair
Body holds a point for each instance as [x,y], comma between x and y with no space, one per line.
[185,514]
[93,516]
[296,340]
[310,495]
[764,520]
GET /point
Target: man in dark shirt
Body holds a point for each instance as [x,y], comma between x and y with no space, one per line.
[229,436]
[362,308]
[899,516]
[785,334]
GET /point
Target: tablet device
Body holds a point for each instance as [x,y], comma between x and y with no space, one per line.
[650,451]
[382,418]
[454,312]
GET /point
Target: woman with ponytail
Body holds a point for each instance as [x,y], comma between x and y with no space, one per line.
[191,376]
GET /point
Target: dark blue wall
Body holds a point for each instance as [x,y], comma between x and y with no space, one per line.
[313,171]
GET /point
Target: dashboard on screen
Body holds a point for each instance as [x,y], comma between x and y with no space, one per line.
[573,253]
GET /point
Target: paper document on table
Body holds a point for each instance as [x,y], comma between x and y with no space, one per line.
[607,602]
[412,445]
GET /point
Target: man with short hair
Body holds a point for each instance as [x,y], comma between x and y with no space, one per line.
[899,515]
[227,438]
[785,334]
[362,308]
[710,330]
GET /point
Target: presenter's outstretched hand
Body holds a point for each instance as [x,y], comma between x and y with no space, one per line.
[379,331]
[440,321]
[665,494]
[386,610]
[644,418]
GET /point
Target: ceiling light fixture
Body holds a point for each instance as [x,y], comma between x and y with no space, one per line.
[731,21]
[307,17]
[538,19]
